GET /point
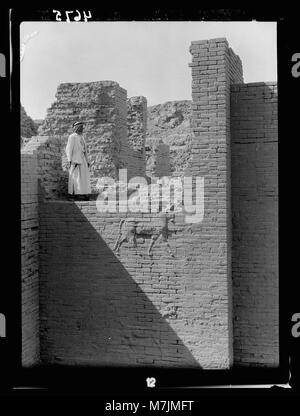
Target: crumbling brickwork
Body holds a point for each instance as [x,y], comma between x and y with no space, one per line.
[135,161]
[255,223]
[131,309]
[137,123]
[103,107]
[52,171]
[206,296]
[28,126]
[170,122]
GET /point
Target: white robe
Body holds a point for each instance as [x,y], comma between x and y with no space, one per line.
[79,176]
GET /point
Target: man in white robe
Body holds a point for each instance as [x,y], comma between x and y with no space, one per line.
[79,175]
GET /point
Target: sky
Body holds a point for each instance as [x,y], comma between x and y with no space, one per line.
[145,58]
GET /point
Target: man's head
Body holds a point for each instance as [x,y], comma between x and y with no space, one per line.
[78,127]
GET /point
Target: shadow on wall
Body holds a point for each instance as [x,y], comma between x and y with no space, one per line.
[92,310]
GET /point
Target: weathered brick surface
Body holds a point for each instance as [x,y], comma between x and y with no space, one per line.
[170,122]
[148,305]
[255,223]
[137,123]
[52,171]
[102,106]
[158,163]
[97,308]
[28,126]
[29,259]
[42,178]
[135,157]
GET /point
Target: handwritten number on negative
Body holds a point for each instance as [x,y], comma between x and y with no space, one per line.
[68,14]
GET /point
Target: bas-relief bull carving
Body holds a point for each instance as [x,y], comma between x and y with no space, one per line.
[130,229]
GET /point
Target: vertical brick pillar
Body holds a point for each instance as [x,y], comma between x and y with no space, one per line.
[214,67]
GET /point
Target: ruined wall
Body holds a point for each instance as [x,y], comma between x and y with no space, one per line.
[158,163]
[102,106]
[170,123]
[255,223]
[140,298]
[52,171]
[28,126]
[137,123]
[136,128]
[29,259]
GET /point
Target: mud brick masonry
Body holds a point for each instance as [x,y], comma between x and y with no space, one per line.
[214,303]
[103,107]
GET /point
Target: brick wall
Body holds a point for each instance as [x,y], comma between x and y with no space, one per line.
[137,123]
[52,171]
[170,122]
[212,73]
[255,223]
[97,307]
[131,309]
[29,259]
[102,106]
[42,178]
[158,163]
